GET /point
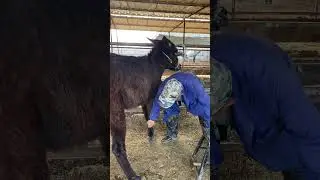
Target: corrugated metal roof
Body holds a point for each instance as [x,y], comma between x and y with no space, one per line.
[161,15]
[244,11]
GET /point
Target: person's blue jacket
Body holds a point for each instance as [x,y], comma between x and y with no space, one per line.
[276,121]
[196,100]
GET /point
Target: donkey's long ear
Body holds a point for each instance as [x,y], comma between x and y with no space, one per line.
[152,40]
[164,38]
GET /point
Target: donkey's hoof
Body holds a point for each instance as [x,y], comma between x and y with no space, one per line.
[151,139]
[136,178]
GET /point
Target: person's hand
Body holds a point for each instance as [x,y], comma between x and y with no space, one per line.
[150,123]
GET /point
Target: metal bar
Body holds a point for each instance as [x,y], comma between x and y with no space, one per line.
[196,150]
[317,9]
[150,45]
[233,10]
[163,30]
[111,41]
[188,17]
[164,2]
[183,38]
[149,48]
[156,11]
[296,60]
[116,30]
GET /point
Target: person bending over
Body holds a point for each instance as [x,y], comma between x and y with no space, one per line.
[277,124]
[189,87]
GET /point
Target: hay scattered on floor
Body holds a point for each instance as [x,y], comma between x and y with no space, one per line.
[88,173]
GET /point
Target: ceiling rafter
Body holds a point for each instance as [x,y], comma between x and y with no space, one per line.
[274,20]
[184,20]
[155,26]
[162,19]
[164,2]
[158,11]
[310,13]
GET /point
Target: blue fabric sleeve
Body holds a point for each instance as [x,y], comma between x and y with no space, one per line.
[300,116]
[204,100]
[301,119]
[155,110]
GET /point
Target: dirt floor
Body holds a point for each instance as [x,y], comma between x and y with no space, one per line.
[158,161]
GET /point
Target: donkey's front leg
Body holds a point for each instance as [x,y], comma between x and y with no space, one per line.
[146,111]
[118,132]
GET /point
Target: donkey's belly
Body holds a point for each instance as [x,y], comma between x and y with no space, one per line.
[64,139]
[59,133]
[135,97]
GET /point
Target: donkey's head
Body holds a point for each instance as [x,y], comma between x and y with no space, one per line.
[166,52]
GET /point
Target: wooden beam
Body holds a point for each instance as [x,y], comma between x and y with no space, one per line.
[305,13]
[275,20]
[280,32]
[122,24]
[157,11]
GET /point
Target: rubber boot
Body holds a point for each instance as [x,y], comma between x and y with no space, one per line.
[172,130]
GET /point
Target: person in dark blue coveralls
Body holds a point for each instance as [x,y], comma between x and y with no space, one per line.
[193,95]
[276,122]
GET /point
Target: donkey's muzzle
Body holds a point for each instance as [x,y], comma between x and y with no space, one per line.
[178,68]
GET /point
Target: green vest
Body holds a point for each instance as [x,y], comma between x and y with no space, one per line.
[220,86]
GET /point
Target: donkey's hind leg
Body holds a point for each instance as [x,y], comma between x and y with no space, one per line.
[24,155]
[118,132]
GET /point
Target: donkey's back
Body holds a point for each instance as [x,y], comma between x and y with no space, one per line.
[132,78]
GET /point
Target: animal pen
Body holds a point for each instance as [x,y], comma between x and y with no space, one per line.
[186,23]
